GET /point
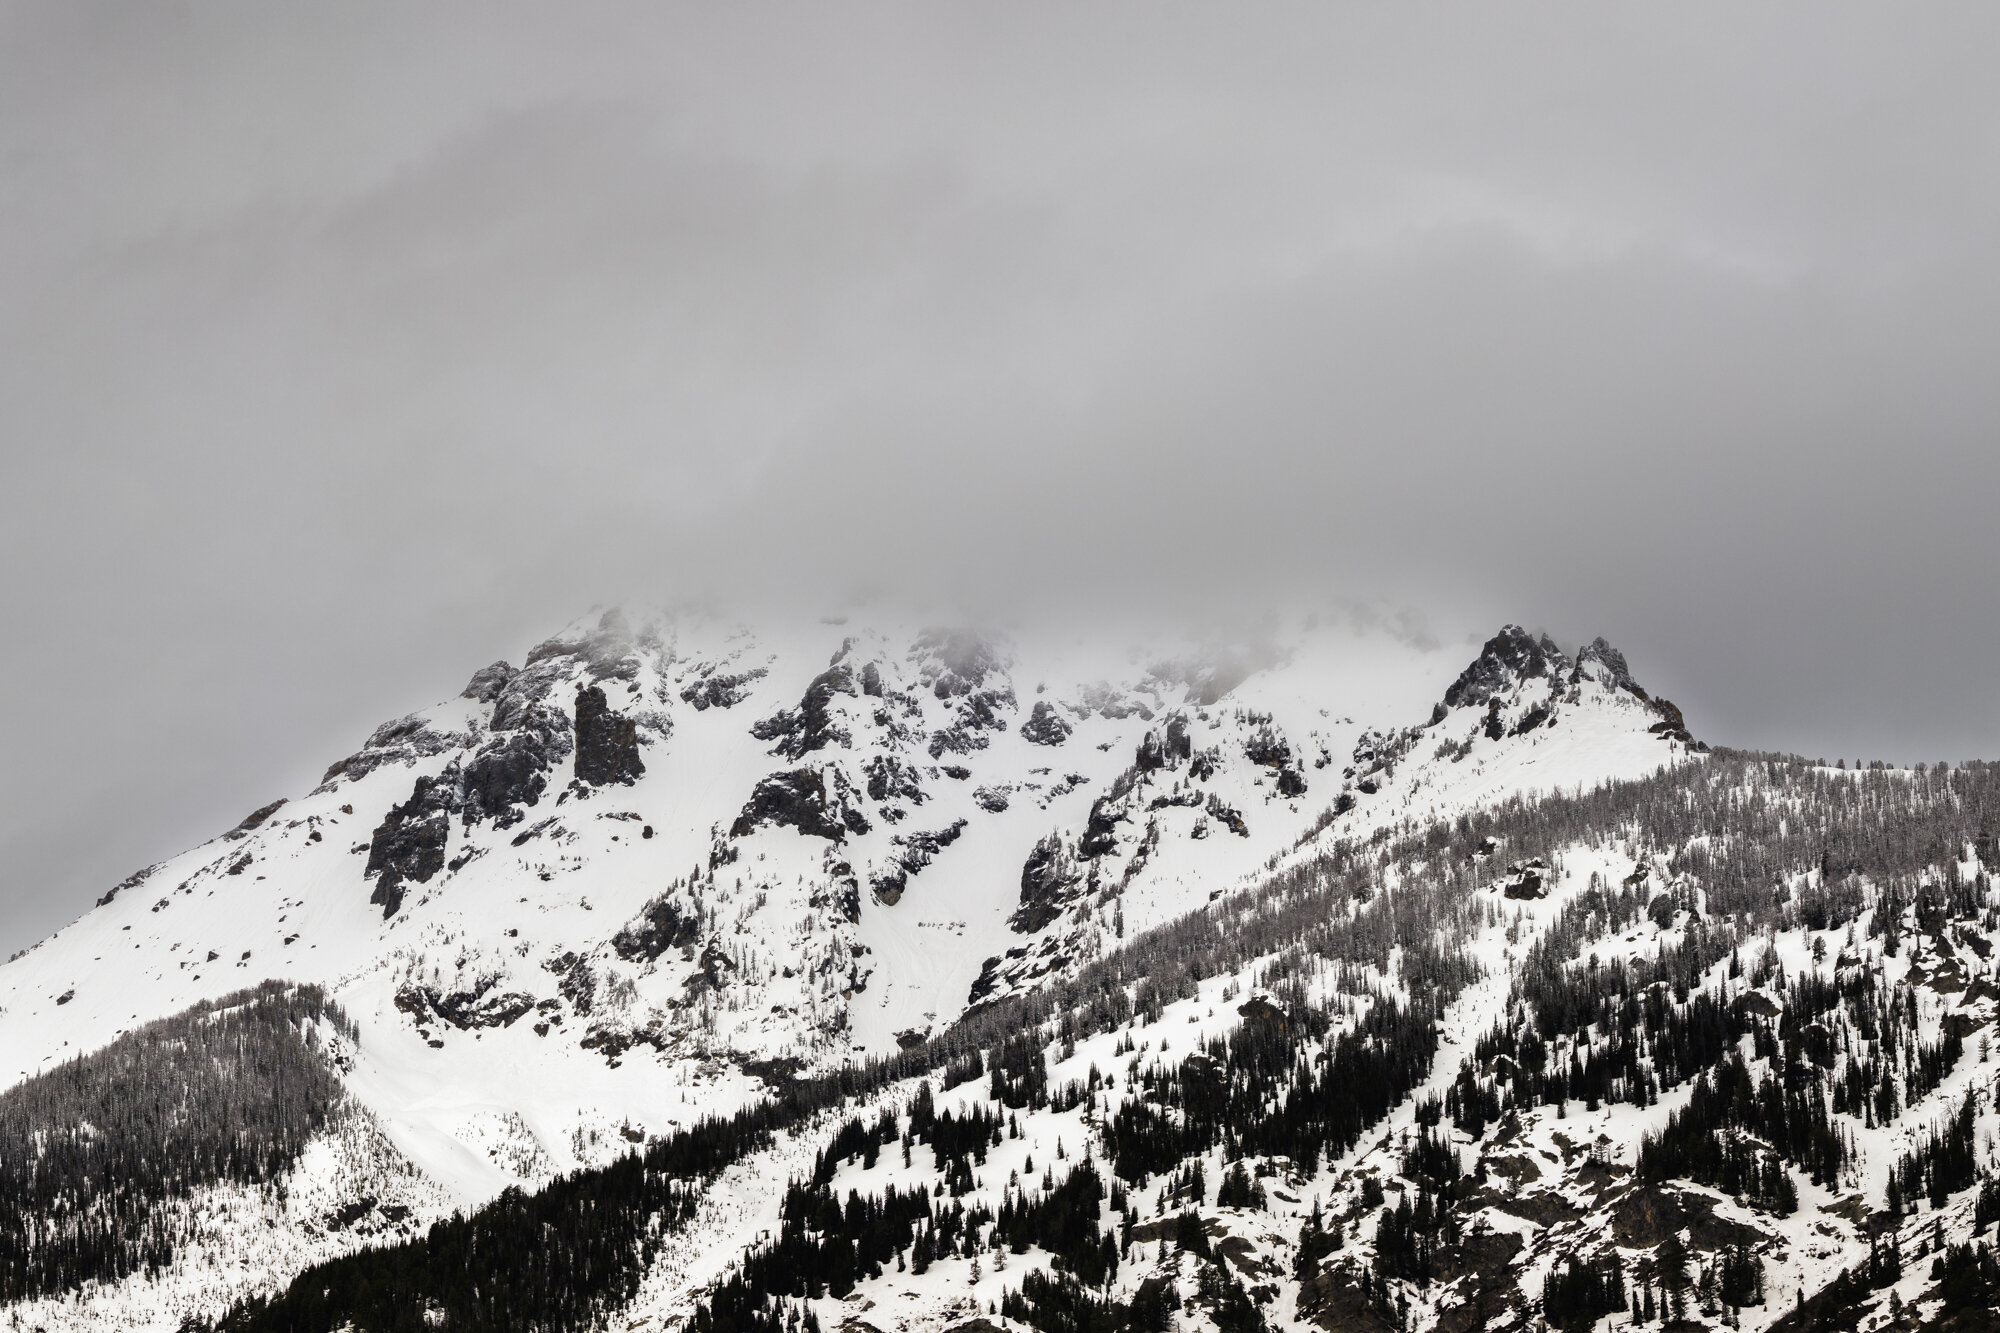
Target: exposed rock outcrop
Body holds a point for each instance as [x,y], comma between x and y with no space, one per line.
[1599,661]
[1165,749]
[487,683]
[480,1006]
[606,652]
[1527,879]
[1048,879]
[1508,658]
[132,880]
[890,779]
[402,741]
[259,815]
[721,689]
[917,851]
[969,673]
[797,799]
[509,772]
[798,732]
[1045,726]
[661,925]
[1100,831]
[409,843]
[1672,726]
[607,744]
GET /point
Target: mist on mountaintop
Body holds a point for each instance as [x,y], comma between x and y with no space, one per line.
[350,351]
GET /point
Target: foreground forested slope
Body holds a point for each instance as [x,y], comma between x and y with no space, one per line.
[1707,1047]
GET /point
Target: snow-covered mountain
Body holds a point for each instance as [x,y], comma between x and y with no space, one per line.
[670,868]
[782,850]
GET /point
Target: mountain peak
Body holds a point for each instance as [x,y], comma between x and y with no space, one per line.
[666,862]
[1508,658]
[1600,662]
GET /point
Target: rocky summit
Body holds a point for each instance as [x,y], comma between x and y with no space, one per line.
[875,976]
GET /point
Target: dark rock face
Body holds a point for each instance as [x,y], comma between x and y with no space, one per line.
[720,689]
[132,880]
[575,980]
[1482,1260]
[1157,751]
[888,886]
[510,771]
[606,652]
[258,816]
[1647,1215]
[890,779]
[800,731]
[797,799]
[406,738]
[1047,877]
[481,1007]
[410,841]
[660,926]
[487,683]
[1332,1301]
[611,1042]
[607,745]
[1509,657]
[1100,836]
[1531,719]
[956,739]
[1672,726]
[840,894]
[348,1214]
[992,800]
[919,849]
[1045,726]
[1527,879]
[1601,660]
[967,671]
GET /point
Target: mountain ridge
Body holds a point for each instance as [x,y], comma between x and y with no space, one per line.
[666,872]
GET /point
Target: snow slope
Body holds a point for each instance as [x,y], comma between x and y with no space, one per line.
[670,860]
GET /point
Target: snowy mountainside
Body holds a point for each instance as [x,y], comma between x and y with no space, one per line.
[1709,1048]
[669,864]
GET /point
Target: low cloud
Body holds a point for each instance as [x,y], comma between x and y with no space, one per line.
[346,352]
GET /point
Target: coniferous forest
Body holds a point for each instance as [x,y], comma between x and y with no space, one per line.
[228,1091]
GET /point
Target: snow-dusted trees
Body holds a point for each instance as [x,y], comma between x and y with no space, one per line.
[95,1153]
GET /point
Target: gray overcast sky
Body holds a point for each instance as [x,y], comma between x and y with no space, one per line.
[345,348]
